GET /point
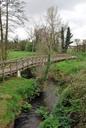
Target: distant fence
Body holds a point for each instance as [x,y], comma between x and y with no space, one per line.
[78,48]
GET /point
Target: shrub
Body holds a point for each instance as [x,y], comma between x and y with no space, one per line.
[50,122]
[26,107]
[28,46]
[13,94]
[43,112]
[29,91]
[61,115]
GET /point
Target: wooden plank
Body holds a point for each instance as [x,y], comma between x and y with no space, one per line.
[10,67]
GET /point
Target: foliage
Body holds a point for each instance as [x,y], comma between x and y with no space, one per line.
[21,45]
[72,66]
[26,107]
[28,91]
[29,47]
[13,93]
[66,42]
[50,122]
[70,110]
[43,112]
[47,35]
[7,10]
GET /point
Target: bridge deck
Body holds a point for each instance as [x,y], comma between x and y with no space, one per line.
[12,67]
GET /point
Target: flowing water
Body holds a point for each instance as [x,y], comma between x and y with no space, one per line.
[47,98]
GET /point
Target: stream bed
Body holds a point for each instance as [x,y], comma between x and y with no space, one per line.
[47,98]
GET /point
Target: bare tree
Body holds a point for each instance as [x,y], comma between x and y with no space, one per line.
[6,34]
[47,34]
[53,22]
[13,15]
[1,31]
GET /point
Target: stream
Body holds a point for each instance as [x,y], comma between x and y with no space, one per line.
[47,98]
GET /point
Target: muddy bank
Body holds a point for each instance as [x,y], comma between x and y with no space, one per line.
[11,125]
[47,98]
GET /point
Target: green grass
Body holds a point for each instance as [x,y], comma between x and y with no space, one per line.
[13,94]
[72,66]
[19,54]
[70,110]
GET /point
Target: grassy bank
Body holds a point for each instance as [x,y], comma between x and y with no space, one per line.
[19,54]
[72,66]
[13,93]
[70,110]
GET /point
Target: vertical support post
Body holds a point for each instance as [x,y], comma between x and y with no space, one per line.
[27,63]
[32,60]
[3,75]
[43,60]
[10,68]
[22,64]
[16,65]
[19,74]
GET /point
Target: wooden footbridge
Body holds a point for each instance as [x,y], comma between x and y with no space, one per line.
[11,67]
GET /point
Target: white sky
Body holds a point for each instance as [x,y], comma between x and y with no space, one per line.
[71,11]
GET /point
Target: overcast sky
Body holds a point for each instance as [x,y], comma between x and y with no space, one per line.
[71,11]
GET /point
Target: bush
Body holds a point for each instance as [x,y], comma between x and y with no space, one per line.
[29,91]
[50,122]
[22,45]
[43,112]
[13,95]
[29,46]
[26,107]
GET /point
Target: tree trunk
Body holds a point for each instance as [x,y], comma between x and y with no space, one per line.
[62,40]
[48,65]
[6,34]
[1,35]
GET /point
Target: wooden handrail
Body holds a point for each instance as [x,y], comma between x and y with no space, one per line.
[9,67]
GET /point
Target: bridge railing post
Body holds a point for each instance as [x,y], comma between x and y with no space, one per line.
[16,65]
[3,75]
[32,60]
[22,64]
[10,68]
[19,74]
[27,63]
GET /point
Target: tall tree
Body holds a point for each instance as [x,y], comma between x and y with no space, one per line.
[62,39]
[53,22]
[6,34]
[13,15]
[66,41]
[68,38]
[46,35]
[1,31]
